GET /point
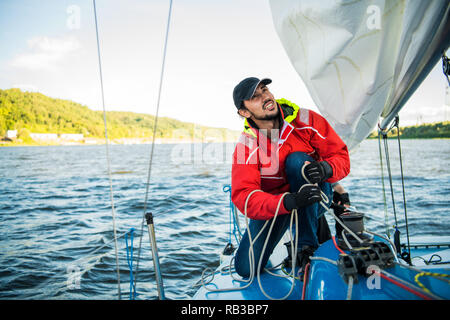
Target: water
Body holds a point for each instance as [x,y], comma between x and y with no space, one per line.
[56,239]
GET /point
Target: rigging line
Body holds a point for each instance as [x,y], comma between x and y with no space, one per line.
[388,165]
[107,152]
[386,220]
[397,120]
[153,141]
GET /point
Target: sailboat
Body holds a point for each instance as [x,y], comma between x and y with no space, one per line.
[361,61]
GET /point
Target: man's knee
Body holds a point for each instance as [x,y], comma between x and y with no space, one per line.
[295,161]
[293,166]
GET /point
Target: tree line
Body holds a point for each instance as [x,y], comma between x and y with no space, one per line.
[422,131]
[29,112]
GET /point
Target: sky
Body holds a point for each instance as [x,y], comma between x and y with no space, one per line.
[50,46]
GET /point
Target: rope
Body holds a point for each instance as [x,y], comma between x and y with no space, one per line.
[402,284]
[324,202]
[77,262]
[129,249]
[293,247]
[350,288]
[233,218]
[153,139]
[228,189]
[107,153]
[251,257]
[431,274]
[324,259]
[294,255]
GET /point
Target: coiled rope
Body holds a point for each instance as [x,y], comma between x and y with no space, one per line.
[294,215]
[431,274]
[251,255]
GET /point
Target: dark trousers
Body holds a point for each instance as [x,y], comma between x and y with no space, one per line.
[308,221]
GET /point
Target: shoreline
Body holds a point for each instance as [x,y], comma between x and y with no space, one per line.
[98,141]
[138,141]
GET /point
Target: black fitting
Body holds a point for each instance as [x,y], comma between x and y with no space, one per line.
[149,218]
[359,260]
[228,250]
[347,267]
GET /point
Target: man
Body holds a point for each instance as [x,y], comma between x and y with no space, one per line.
[279,138]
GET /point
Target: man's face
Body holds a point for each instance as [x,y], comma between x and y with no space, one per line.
[262,106]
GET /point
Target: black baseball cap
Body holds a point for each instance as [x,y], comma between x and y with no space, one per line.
[246,89]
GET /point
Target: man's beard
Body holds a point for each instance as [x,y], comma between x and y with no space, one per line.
[268,116]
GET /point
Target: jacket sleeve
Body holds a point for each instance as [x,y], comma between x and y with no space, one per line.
[245,178]
[329,146]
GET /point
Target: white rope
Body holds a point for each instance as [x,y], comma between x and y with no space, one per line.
[350,288]
[294,248]
[346,240]
[107,153]
[324,259]
[293,251]
[324,202]
[251,256]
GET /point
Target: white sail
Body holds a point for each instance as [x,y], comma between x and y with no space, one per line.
[362,59]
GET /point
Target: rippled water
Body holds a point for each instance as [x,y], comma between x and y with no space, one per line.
[56,239]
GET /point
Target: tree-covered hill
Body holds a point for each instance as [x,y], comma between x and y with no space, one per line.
[34,112]
[423,131]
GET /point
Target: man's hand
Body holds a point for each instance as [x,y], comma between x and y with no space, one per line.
[307,195]
[341,202]
[317,172]
[342,199]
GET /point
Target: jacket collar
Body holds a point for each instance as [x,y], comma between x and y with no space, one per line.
[288,112]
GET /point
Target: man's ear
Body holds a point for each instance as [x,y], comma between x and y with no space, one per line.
[243,112]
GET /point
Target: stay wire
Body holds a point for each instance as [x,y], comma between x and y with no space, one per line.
[386,219]
[397,120]
[388,165]
[107,152]
[155,126]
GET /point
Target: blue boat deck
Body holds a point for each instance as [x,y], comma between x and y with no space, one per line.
[325,283]
[275,287]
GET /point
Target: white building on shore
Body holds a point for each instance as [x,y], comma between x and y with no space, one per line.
[44,136]
[11,134]
[54,137]
[71,136]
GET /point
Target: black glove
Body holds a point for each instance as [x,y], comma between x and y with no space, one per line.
[341,198]
[308,195]
[317,172]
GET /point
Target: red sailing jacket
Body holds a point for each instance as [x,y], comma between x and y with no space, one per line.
[258,163]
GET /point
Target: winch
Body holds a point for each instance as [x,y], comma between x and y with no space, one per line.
[355,222]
